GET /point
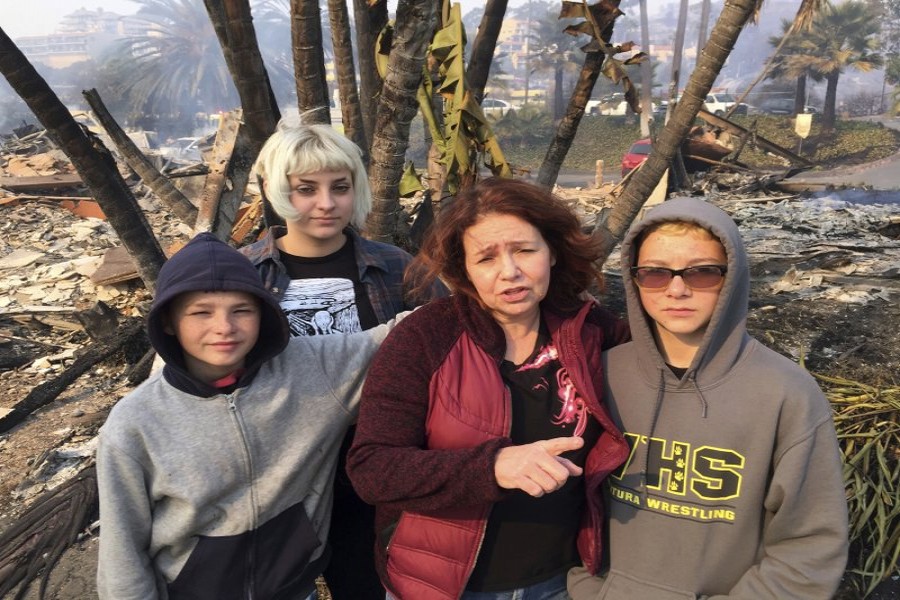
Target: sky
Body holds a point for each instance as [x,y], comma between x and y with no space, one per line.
[18,17]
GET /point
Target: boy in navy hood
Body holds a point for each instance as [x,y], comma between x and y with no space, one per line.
[216,473]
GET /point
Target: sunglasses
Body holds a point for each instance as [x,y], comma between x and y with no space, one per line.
[699,277]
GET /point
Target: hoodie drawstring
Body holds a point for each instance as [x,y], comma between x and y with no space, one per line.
[657,408]
[703,403]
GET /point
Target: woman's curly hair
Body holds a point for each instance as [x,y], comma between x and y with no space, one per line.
[442,254]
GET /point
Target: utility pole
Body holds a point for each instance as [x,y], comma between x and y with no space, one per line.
[679,172]
[704,26]
[678,50]
[646,73]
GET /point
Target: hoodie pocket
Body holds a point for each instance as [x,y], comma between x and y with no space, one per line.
[619,586]
[262,561]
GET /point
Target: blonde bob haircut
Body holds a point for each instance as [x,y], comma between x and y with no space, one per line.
[302,149]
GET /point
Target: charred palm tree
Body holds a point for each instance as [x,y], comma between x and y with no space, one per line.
[93,162]
[598,23]
[483,47]
[396,109]
[552,51]
[787,44]
[233,24]
[234,28]
[309,61]
[780,64]
[272,21]
[370,17]
[346,75]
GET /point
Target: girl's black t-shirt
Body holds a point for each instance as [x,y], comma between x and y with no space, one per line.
[325,295]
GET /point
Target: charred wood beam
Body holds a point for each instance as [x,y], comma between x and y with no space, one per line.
[737,130]
[170,195]
[46,392]
[223,193]
[41,182]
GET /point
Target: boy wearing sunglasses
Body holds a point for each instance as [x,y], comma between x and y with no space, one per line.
[733,486]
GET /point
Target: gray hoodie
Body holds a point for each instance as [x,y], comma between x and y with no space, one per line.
[218,494]
[733,488]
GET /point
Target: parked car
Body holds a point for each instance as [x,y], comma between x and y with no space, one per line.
[784,106]
[777,106]
[636,155]
[718,104]
[495,107]
[617,108]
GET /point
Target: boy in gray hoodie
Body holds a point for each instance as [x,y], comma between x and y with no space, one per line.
[216,473]
[733,487]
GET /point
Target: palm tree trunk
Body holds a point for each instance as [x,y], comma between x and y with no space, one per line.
[309,62]
[164,189]
[568,126]
[234,27]
[90,158]
[829,111]
[728,27]
[396,109]
[369,20]
[346,75]
[483,47]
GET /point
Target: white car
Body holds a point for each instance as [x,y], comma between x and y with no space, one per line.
[495,107]
[617,108]
[718,104]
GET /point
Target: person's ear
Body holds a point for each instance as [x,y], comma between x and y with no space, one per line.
[167,324]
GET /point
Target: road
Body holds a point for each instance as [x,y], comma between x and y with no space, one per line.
[883,174]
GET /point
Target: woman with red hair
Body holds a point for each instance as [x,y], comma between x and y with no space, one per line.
[482,439]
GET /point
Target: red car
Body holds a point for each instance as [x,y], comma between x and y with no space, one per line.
[636,155]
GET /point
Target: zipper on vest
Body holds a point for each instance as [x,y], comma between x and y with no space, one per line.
[508,430]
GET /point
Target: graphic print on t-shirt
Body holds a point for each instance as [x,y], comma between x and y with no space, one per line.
[321,306]
[572,407]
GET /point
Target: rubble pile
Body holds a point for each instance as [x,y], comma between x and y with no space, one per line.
[823,247]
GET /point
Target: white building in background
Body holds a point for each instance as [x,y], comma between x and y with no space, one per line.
[80,36]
